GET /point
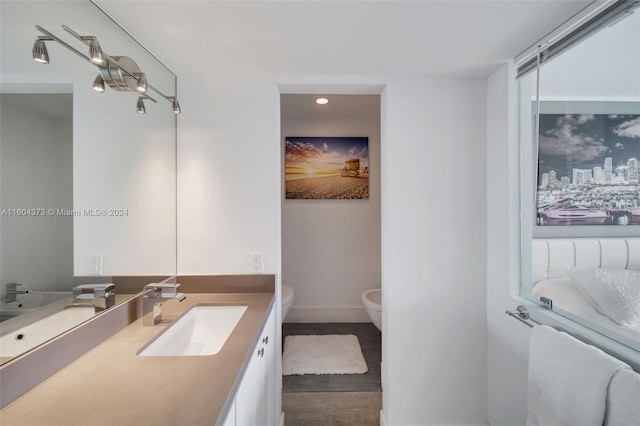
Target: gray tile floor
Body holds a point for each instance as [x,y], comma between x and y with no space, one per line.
[332,408]
[371,342]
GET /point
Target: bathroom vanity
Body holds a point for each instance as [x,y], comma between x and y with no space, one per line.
[112,384]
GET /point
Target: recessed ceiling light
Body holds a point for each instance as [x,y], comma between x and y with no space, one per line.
[322,101]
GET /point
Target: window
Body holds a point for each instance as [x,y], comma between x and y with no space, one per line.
[580,149]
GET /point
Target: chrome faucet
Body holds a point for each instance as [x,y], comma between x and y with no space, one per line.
[100,296]
[12,291]
[153,299]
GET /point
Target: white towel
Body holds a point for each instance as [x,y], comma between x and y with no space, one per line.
[568,380]
[623,400]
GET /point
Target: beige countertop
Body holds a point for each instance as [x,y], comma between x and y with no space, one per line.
[111,385]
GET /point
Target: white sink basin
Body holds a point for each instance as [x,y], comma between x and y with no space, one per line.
[30,336]
[33,300]
[202,330]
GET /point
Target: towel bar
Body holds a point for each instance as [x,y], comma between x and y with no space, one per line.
[522,315]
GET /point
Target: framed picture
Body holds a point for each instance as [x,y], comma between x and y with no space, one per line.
[328,168]
[588,169]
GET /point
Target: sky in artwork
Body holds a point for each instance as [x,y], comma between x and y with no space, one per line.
[313,156]
[583,141]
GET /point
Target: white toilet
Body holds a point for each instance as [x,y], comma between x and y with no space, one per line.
[286,296]
[372,300]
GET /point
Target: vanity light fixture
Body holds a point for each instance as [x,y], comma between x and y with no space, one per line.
[120,73]
[95,52]
[141,86]
[322,101]
[140,105]
[39,51]
[98,84]
[175,105]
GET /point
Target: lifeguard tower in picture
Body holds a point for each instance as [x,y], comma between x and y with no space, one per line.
[351,168]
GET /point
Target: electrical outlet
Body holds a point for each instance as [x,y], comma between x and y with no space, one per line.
[256,264]
[95,265]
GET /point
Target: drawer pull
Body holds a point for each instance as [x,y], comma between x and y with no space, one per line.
[261,352]
[265,340]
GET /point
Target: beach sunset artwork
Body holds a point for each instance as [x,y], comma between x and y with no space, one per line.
[328,168]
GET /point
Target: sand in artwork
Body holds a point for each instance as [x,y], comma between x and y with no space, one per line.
[328,187]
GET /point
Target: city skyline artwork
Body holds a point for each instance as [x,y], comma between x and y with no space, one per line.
[583,141]
[588,169]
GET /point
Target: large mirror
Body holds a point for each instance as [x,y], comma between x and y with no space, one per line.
[87,180]
[580,134]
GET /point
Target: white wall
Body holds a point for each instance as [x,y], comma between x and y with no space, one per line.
[36,251]
[507,339]
[433,258]
[228,174]
[331,248]
[433,223]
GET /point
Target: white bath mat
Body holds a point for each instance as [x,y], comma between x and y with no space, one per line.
[327,354]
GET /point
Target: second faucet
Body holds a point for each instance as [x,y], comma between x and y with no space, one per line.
[154,297]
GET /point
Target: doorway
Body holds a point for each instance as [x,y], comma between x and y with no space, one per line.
[331,246]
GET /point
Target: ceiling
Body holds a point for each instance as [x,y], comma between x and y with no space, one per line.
[381,38]
[340,106]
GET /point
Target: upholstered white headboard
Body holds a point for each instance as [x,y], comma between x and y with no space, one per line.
[551,255]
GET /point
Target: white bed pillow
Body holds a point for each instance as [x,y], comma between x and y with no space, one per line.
[615,293]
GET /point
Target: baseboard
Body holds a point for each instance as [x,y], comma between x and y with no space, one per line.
[327,314]
[384,423]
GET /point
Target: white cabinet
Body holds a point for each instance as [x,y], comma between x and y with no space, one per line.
[245,397]
[254,400]
[231,416]
[264,374]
